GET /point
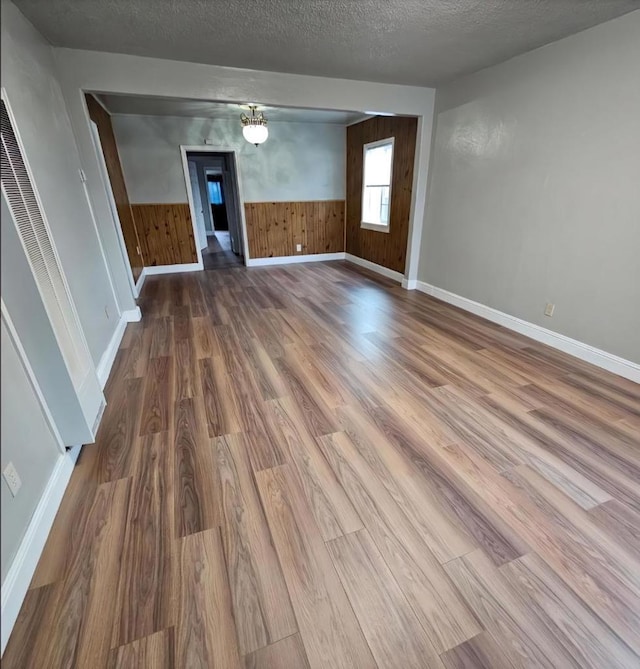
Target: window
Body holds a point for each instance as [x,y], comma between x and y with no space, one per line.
[215,192]
[376,184]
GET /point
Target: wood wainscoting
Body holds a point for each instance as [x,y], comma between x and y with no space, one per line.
[102,119]
[388,249]
[275,228]
[166,233]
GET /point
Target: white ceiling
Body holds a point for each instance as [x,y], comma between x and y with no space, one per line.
[421,42]
[148,106]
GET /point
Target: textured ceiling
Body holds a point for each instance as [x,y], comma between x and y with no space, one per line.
[148,106]
[420,42]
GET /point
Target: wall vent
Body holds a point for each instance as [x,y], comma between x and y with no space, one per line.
[18,190]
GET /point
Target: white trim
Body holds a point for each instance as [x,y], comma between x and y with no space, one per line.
[106,184]
[172,269]
[211,148]
[613,363]
[375,227]
[368,225]
[290,260]
[385,271]
[409,284]
[22,354]
[419,193]
[23,566]
[140,281]
[106,361]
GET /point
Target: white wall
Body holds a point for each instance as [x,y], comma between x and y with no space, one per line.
[299,161]
[135,75]
[29,78]
[535,187]
[28,443]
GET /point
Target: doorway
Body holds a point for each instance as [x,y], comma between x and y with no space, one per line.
[211,177]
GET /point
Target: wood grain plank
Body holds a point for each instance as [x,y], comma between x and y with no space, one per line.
[330,632]
[387,620]
[150,652]
[205,630]
[262,609]
[79,631]
[589,641]
[328,502]
[197,506]
[433,597]
[156,409]
[115,440]
[481,652]
[287,653]
[147,579]
[526,639]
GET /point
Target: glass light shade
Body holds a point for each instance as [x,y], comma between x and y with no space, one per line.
[255,134]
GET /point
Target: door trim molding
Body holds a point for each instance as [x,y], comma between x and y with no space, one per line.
[211,148]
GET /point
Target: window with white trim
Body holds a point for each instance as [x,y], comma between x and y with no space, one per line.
[377,170]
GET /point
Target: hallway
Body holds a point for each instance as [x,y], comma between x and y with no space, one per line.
[218,254]
[309,466]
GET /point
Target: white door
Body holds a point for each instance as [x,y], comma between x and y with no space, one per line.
[197,205]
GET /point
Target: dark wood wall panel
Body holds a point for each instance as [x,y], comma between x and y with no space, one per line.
[166,233]
[274,228]
[132,242]
[383,248]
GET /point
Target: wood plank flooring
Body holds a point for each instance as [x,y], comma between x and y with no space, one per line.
[311,468]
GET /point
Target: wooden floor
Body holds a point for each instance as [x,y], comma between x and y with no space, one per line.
[311,467]
[218,255]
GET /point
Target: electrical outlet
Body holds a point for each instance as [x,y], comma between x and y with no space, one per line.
[11,477]
[298,248]
[548,310]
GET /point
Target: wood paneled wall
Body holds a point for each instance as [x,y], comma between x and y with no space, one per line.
[383,248]
[166,232]
[132,241]
[274,228]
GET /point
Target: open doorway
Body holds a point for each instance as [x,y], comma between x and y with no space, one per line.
[211,177]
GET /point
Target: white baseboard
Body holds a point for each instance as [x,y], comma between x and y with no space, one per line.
[290,260]
[170,269]
[140,281]
[106,361]
[16,583]
[612,363]
[409,284]
[385,271]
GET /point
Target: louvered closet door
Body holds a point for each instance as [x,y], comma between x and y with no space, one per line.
[41,254]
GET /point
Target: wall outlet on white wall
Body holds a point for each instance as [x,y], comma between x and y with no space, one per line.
[12,479]
[298,248]
[548,310]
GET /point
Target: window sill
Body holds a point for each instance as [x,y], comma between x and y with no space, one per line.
[376,227]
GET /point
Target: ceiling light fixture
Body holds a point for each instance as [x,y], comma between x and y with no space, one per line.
[254,127]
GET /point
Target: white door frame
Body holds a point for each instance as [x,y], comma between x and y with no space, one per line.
[209,148]
[106,183]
